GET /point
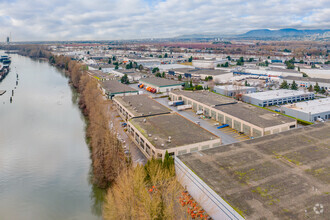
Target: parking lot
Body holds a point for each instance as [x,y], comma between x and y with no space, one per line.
[143,91]
[129,146]
[228,135]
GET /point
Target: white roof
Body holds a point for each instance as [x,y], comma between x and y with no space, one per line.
[313,106]
[274,94]
[234,87]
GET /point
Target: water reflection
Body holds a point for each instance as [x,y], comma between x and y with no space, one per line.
[97,196]
[44,159]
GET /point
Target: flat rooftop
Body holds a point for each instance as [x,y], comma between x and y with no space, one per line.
[99,74]
[210,72]
[142,105]
[160,82]
[234,87]
[307,79]
[274,94]
[205,97]
[255,115]
[113,86]
[283,70]
[313,106]
[128,72]
[280,176]
[181,130]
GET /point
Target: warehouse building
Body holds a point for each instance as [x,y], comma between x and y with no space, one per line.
[314,110]
[217,74]
[138,106]
[245,118]
[161,84]
[132,75]
[277,97]
[154,135]
[281,176]
[234,90]
[305,82]
[113,88]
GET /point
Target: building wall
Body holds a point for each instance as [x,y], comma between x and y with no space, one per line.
[304,115]
[240,125]
[306,84]
[123,112]
[233,92]
[149,150]
[211,202]
[161,89]
[111,95]
[276,101]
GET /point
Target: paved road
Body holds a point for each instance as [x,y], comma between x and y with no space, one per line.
[205,123]
[136,155]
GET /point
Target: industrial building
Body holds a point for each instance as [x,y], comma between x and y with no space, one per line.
[245,118]
[277,97]
[311,111]
[113,88]
[132,75]
[161,84]
[155,135]
[281,176]
[207,63]
[305,82]
[234,90]
[99,75]
[138,106]
[203,73]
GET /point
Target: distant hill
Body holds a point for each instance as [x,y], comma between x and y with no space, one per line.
[282,33]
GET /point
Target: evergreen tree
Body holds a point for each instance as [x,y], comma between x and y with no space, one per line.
[179,77]
[124,79]
[158,74]
[163,75]
[190,85]
[109,61]
[294,86]
[154,70]
[317,88]
[284,85]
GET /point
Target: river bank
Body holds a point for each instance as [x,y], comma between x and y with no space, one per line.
[44,159]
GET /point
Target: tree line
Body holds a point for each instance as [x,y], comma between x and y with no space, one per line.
[141,192]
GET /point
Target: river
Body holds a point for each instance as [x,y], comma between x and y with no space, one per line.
[44,159]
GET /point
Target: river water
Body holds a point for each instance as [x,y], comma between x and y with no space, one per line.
[44,159]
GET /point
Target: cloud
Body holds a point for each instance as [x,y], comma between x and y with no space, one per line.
[131,19]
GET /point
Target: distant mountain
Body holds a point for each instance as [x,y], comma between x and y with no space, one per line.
[282,33]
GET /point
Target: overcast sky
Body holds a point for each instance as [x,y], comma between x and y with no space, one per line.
[132,19]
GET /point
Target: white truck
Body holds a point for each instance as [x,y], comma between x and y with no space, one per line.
[199,112]
[184,107]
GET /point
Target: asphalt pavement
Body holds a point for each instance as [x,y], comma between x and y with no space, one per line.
[227,138]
